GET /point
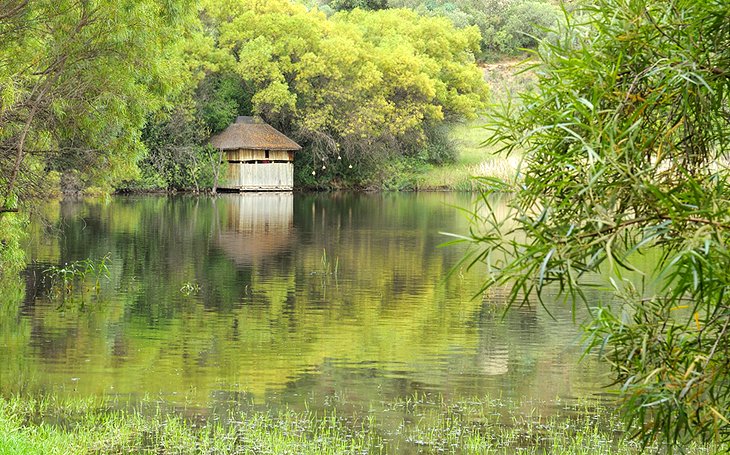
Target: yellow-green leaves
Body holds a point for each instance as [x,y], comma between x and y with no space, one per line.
[77,82]
[355,79]
[625,144]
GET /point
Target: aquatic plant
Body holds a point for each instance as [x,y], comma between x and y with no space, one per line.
[64,280]
[49,424]
[12,232]
[189,288]
[327,267]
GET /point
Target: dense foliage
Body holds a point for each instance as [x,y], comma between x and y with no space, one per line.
[94,93]
[77,81]
[91,89]
[339,5]
[626,146]
[353,88]
[506,26]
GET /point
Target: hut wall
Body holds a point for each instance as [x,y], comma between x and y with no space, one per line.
[257,155]
[244,155]
[279,155]
[259,176]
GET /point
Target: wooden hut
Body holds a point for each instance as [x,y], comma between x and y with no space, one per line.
[259,157]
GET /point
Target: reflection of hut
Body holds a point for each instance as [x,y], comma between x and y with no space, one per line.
[259,157]
[494,361]
[258,225]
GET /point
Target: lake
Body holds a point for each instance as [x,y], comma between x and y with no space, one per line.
[268,300]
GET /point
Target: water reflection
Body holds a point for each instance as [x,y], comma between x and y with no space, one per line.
[256,226]
[301,298]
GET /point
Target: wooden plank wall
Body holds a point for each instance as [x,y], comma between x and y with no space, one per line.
[252,155]
[253,177]
[244,155]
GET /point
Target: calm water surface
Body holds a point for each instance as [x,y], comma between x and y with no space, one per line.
[291,300]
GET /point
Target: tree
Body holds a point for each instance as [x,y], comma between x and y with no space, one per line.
[339,5]
[625,144]
[524,24]
[506,26]
[358,85]
[77,81]
[178,154]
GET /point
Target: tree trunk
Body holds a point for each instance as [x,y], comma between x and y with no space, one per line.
[12,8]
[216,170]
[20,148]
[57,67]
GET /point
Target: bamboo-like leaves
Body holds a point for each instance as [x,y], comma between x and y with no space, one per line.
[625,142]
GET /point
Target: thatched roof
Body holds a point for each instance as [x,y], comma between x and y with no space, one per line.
[253,134]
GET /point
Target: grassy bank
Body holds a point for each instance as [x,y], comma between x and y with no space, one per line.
[473,159]
[92,426]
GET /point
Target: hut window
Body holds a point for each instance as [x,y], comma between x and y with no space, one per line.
[267,154]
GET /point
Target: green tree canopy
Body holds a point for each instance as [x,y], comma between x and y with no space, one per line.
[506,26]
[625,146]
[77,81]
[339,5]
[358,84]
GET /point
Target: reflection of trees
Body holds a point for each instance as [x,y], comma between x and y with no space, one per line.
[14,334]
[268,314]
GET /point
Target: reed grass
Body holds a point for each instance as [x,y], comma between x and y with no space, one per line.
[50,425]
[474,160]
